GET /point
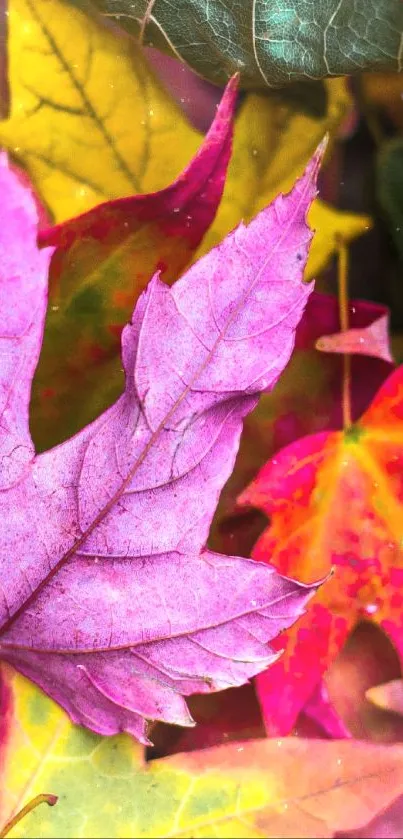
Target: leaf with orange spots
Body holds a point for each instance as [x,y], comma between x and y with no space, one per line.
[335,500]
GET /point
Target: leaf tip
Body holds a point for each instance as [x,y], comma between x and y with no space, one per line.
[387,696]
[318,156]
[228,100]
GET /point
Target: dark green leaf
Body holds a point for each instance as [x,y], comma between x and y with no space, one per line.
[271,42]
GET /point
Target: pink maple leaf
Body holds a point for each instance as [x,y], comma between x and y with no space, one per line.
[110,601]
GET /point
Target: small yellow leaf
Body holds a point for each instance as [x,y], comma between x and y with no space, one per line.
[271,788]
[328,224]
[88,119]
[272,145]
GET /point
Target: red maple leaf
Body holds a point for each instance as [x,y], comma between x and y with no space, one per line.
[335,501]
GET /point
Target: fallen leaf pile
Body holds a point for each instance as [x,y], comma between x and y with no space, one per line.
[133,119]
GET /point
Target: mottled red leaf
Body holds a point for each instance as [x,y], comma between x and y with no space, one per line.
[335,500]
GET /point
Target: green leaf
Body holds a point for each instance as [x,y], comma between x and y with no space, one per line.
[271,42]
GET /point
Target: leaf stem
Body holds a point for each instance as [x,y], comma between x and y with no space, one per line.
[43,798]
[146,20]
[4,81]
[342,251]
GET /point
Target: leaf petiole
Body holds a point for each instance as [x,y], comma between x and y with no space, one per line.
[43,798]
[342,251]
[145,21]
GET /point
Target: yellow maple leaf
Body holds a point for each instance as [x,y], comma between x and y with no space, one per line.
[89,120]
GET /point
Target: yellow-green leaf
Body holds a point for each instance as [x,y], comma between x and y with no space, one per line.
[273,142]
[88,118]
[271,788]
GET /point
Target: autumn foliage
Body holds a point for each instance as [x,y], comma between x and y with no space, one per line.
[201,405]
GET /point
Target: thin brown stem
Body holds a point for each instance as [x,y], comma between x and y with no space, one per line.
[4,81]
[44,798]
[145,21]
[342,250]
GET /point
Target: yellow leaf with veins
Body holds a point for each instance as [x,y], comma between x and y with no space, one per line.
[271,788]
[90,122]
[88,118]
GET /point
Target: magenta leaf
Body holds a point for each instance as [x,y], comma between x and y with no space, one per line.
[110,602]
[321,711]
[103,260]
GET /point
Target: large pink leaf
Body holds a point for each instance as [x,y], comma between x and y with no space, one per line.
[110,601]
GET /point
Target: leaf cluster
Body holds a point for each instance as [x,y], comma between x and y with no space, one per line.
[200,455]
